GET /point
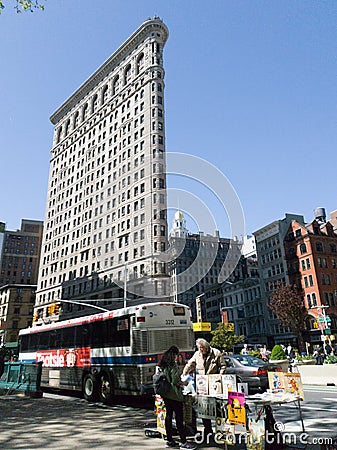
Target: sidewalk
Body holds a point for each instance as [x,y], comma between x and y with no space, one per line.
[53,422]
[57,422]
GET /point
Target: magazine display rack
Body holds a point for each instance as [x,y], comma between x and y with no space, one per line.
[249,417]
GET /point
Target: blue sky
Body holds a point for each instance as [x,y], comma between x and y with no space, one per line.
[250,87]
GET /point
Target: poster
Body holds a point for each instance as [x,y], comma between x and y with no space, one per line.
[228,384]
[276,382]
[293,384]
[161,414]
[255,437]
[243,387]
[236,408]
[206,407]
[214,384]
[225,432]
[202,384]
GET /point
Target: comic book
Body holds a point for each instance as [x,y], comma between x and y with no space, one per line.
[214,384]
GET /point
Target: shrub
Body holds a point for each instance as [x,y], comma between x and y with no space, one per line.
[331,359]
[255,353]
[277,353]
[305,358]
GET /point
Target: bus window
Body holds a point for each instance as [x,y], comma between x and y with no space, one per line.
[82,338]
[68,337]
[41,341]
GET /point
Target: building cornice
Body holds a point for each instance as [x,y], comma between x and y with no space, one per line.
[108,66]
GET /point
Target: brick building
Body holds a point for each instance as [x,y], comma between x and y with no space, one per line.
[311,253]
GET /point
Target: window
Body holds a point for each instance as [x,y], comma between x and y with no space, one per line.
[303,248]
[140,63]
[319,246]
[127,74]
[115,86]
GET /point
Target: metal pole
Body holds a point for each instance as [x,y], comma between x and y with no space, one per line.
[125,285]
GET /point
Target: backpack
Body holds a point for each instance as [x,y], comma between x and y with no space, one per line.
[161,385]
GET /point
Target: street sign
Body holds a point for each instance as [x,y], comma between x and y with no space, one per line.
[328,319]
[202,326]
[328,331]
[230,326]
[320,319]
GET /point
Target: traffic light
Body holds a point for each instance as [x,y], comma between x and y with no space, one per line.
[53,308]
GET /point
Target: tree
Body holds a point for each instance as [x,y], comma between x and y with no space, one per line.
[287,304]
[24,5]
[224,339]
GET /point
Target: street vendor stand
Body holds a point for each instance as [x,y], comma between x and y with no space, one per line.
[244,418]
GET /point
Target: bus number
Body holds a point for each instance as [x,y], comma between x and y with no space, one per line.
[169,321]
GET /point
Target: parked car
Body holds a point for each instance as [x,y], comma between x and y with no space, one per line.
[251,370]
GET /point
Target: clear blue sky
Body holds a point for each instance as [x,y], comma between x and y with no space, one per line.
[250,86]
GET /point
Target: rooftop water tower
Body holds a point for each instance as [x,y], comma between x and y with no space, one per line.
[320,214]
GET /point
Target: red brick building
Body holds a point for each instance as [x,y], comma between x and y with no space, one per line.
[311,254]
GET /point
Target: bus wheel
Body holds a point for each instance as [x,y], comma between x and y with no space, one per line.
[90,388]
[106,390]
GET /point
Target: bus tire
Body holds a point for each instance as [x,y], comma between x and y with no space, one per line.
[106,387]
[90,387]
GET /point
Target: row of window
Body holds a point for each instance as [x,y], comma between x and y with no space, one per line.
[319,247]
[100,99]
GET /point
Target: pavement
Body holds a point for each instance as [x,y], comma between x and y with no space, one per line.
[59,422]
[56,422]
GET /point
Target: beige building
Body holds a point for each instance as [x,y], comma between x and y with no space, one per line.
[16,311]
[106,208]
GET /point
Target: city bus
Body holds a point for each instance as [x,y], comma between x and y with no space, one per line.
[110,353]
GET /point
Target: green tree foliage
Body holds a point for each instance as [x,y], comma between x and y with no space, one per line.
[224,339]
[287,304]
[23,5]
[277,353]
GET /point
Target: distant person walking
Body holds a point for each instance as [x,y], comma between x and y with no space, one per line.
[245,350]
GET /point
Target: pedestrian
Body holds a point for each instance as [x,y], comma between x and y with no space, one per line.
[290,352]
[205,361]
[328,349]
[264,353]
[173,400]
[245,350]
[318,356]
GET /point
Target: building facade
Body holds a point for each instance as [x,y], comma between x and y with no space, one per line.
[105,218]
[19,258]
[273,272]
[198,259]
[20,253]
[311,252]
[16,311]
